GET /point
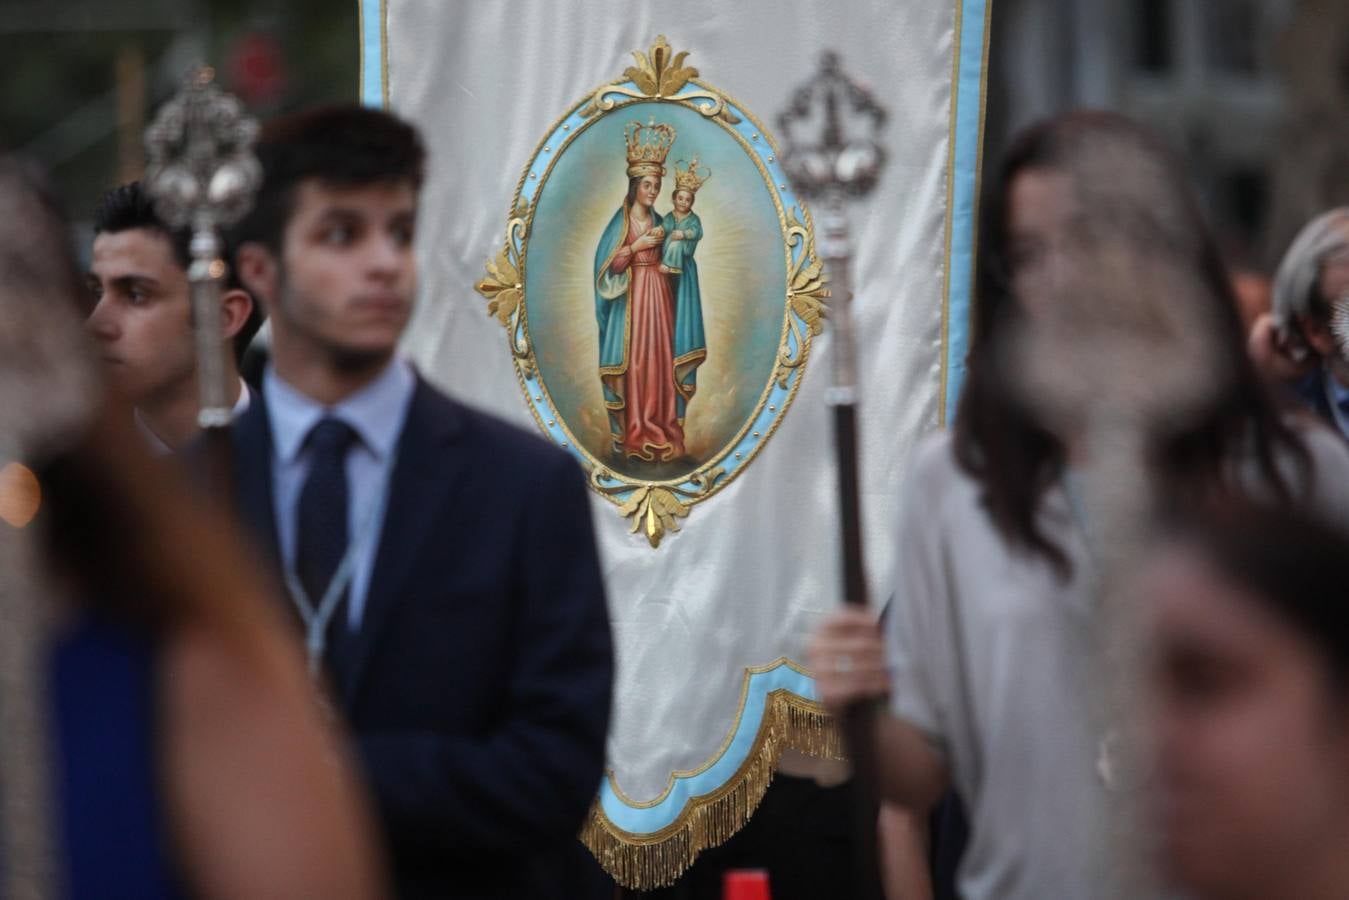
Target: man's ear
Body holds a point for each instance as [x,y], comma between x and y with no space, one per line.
[235,308]
[258,270]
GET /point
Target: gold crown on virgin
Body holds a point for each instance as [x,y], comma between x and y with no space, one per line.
[648,145]
[691,177]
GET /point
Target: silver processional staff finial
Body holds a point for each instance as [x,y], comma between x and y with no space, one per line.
[202,175]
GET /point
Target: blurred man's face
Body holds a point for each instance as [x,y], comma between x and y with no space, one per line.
[142,314]
[1252,758]
[683,202]
[348,275]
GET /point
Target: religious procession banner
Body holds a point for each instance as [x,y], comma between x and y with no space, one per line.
[618,251]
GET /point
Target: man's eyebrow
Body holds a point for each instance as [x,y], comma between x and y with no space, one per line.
[340,212]
[126,282]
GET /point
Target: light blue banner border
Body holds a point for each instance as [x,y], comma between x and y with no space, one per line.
[372,52]
[967,135]
[782,676]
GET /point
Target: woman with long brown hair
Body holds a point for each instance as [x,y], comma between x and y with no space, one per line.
[988,652]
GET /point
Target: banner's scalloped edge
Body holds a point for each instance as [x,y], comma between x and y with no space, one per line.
[649,861]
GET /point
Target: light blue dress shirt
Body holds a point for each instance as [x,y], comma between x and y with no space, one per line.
[376,413]
[1338,397]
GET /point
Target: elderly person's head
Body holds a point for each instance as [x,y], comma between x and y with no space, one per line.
[1313,275]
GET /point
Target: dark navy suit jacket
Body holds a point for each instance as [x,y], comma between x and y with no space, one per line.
[1311,390]
[478,688]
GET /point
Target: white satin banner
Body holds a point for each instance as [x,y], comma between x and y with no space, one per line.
[711,624]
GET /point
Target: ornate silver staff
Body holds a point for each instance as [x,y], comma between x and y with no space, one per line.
[1120,351]
[202,175]
[839,164]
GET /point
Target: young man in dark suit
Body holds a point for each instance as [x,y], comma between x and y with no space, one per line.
[442,563]
[141,316]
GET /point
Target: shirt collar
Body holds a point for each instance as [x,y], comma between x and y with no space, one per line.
[375,412]
[157,445]
[245,398]
[1338,392]
[153,442]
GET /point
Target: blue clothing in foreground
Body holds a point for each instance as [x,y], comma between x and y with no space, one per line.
[112,836]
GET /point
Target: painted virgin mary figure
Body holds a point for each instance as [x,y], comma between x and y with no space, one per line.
[640,336]
[683,231]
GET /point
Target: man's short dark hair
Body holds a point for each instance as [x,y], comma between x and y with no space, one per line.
[338,146]
[128,207]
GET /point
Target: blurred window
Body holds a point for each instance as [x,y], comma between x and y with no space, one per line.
[1242,200]
[1231,32]
[1154,36]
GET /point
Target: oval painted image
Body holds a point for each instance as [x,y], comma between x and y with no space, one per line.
[655,274]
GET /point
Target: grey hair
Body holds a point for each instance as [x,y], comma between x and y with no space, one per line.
[1301,265]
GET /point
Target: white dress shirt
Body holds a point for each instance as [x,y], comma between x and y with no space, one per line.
[376,413]
[992,655]
[157,445]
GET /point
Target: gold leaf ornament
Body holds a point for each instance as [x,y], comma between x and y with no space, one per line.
[502,288]
[655,510]
[656,73]
[660,73]
[643,74]
[807,292]
[808,295]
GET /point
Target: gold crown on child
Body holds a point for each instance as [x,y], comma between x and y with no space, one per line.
[648,145]
[691,177]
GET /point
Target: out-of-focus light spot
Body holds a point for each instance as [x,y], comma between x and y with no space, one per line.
[20,494]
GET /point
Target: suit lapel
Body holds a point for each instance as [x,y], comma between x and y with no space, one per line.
[423,477]
[253,479]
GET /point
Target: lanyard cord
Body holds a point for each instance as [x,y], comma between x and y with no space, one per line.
[316,619]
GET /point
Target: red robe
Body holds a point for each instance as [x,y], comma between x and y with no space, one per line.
[651,423]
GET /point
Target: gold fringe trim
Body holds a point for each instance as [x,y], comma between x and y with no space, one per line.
[647,861]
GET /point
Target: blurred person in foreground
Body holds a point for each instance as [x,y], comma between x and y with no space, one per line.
[1295,344]
[469,647]
[986,664]
[1249,711]
[141,316]
[188,756]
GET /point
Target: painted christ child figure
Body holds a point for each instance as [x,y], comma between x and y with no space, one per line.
[683,231]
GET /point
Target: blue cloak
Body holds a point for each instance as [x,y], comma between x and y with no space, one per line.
[690,344]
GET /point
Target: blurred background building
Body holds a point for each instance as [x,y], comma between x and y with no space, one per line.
[82,78]
[1253,93]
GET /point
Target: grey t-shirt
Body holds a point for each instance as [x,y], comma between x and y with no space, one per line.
[991,657]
